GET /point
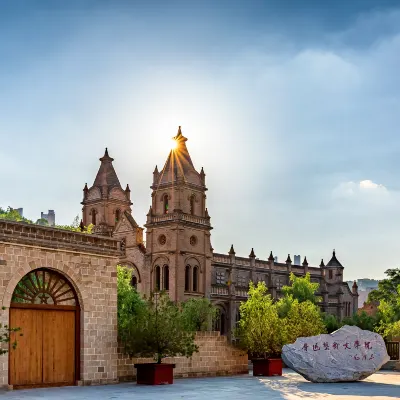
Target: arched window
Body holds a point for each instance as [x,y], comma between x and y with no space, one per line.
[134,281]
[187,278]
[195,279]
[158,278]
[166,277]
[165,202]
[93,212]
[192,204]
[117,215]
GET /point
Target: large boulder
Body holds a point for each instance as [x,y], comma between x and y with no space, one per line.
[348,354]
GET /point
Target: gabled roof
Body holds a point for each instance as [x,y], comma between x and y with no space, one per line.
[106,176]
[334,262]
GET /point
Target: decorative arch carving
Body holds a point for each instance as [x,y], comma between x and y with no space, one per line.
[117,193]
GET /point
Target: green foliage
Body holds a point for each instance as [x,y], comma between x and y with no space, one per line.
[129,302]
[198,314]
[259,328]
[5,336]
[75,226]
[331,323]
[42,221]
[302,289]
[159,331]
[302,319]
[12,215]
[387,288]
[362,320]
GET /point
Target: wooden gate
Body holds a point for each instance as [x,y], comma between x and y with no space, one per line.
[393,349]
[44,306]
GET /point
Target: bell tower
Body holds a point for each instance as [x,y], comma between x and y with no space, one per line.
[178,228]
[105,202]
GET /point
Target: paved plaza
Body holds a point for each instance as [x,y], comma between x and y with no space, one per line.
[291,386]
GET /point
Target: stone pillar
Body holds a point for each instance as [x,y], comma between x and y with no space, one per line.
[231,293]
[272,285]
[325,296]
[305,265]
[289,268]
[252,257]
[340,308]
[354,290]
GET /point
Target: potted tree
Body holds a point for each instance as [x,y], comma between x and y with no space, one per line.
[156,329]
[260,331]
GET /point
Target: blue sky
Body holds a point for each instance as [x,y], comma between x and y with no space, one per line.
[291,107]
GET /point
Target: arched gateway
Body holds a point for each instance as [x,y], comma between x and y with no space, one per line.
[46,308]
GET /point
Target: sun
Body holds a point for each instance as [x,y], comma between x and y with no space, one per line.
[174,144]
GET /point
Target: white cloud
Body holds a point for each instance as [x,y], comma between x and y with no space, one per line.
[362,190]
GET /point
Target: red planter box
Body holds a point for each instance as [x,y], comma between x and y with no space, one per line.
[154,374]
[267,367]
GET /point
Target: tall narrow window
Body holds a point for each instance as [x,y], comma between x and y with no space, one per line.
[195,279]
[134,281]
[330,274]
[187,278]
[166,277]
[165,201]
[158,278]
[192,204]
[94,217]
[117,215]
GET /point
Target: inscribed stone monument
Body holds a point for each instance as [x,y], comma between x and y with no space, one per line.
[348,354]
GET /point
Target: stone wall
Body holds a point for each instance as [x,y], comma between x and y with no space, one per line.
[89,264]
[216,357]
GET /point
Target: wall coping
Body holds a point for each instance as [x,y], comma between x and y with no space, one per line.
[22,233]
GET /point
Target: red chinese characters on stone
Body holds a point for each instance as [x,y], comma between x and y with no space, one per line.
[347,346]
[356,344]
[326,345]
[367,345]
[356,357]
[316,347]
[336,346]
[305,347]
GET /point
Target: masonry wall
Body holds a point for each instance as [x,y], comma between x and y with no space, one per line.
[89,263]
[216,357]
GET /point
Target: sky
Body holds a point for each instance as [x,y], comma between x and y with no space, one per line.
[291,107]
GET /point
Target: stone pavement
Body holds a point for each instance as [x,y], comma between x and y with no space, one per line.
[291,386]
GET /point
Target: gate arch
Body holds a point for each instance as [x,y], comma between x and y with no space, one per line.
[46,306]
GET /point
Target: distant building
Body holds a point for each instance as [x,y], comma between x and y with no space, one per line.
[365,286]
[297,260]
[50,217]
[20,211]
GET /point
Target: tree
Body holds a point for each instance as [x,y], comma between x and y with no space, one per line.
[302,289]
[387,288]
[362,320]
[129,302]
[13,215]
[157,330]
[331,323]
[198,314]
[5,336]
[42,221]
[259,328]
[302,319]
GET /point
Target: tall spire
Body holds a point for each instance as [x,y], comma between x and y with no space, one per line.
[106,176]
[179,163]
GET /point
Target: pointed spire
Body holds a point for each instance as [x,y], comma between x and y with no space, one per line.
[252,255]
[127,188]
[232,250]
[106,176]
[288,260]
[271,257]
[305,262]
[150,211]
[155,170]
[322,263]
[206,213]
[81,226]
[86,189]
[355,286]
[334,262]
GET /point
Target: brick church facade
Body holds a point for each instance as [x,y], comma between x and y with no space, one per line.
[177,255]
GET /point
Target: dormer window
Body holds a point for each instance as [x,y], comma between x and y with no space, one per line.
[117,215]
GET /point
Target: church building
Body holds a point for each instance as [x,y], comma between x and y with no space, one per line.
[177,255]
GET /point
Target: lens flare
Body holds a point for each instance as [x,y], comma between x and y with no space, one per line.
[174,144]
